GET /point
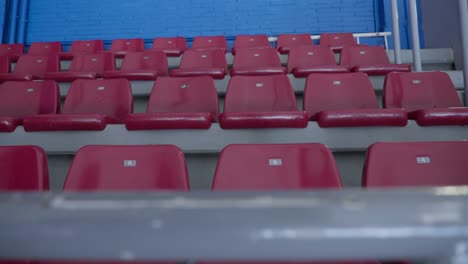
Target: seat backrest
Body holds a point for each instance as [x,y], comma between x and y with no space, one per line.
[210,42]
[45,48]
[193,59]
[307,56]
[14,50]
[416,164]
[260,94]
[37,64]
[4,64]
[24,168]
[184,95]
[20,99]
[87,46]
[276,167]
[97,63]
[170,43]
[340,91]
[128,168]
[147,60]
[251,41]
[112,98]
[420,90]
[125,45]
[364,55]
[267,57]
[337,40]
[294,40]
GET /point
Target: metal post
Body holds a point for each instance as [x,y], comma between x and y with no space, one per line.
[463,7]
[415,35]
[396,32]
[13,21]
[22,21]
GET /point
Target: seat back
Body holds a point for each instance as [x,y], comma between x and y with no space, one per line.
[294,40]
[112,98]
[184,95]
[363,56]
[145,61]
[420,90]
[276,167]
[87,46]
[37,64]
[24,168]
[337,40]
[210,42]
[308,56]
[127,168]
[193,59]
[20,99]
[267,57]
[45,48]
[170,43]
[4,64]
[341,91]
[416,164]
[260,94]
[126,45]
[97,63]
[251,41]
[12,50]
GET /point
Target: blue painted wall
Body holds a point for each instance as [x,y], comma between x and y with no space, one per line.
[2,18]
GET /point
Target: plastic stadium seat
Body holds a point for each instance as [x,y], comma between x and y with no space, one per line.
[257,62]
[22,99]
[261,102]
[32,67]
[145,65]
[337,41]
[89,105]
[45,48]
[84,66]
[210,42]
[4,64]
[128,168]
[370,60]
[288,41]
[14,51]
[173,47]
[178,103]
[202,63]
[250,41]
[83,47]
[416,164]
[429,97]
[276,167]
[347,100]
[120,47]
[305,60]
[24,168]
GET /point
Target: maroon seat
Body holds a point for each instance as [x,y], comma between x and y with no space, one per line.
[145,65]
[261,102]
[250,41]
[22,99]
[428,164]
[84,66]
[178,103]
[24,168]
[430,98]
[89,105]
[347,100]
[45,48]
[256,62]
[128,168]
[210,42]
[32,67]
[120,47]
[13,51]
[202,63]
[4,64]
[370,60]
[173,47]
[337,41]
[83,47]
[305,60]
[288,41]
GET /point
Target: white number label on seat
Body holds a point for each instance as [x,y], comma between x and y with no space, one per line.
[129,163]
[423,160]
[275,162]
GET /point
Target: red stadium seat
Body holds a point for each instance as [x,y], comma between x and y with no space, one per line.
[45,48]
[32,67]
[370,60]
[24,168]
[173,47]
[250,41]
[83,47]
[305,60]
[210,42]
[288,41]
[256,62]
[276,167]
[178,103]
[202,63]
[429,97]
[426,164]
[337,41]
[90,105]
[128,168]
[22,99]
[13,51]
[84,66]
[347,100]
[4,64]
[261,102]
[120,47]
[145,65]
